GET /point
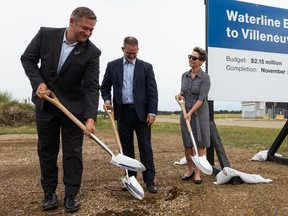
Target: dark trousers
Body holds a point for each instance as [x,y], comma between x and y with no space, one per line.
[129,122]
[50,122]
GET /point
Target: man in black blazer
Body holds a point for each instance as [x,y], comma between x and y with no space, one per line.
[69,66]
[135,102]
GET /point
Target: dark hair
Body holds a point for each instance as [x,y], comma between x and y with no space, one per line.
[202,53]
[130,41]
[80,12]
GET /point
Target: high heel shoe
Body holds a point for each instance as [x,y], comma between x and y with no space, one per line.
[185,178]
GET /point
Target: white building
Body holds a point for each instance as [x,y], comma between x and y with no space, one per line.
[253,109]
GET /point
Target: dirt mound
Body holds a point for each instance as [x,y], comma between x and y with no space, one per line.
[15,116]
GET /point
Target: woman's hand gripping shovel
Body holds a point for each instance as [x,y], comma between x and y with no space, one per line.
[200,161]
[119,160]
[131,182]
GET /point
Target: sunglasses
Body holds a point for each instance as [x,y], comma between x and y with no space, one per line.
[194,58]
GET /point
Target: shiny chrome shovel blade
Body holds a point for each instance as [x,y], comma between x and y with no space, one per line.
[133,187]
[202,163]
[120,160]
[129,163]
[206,165]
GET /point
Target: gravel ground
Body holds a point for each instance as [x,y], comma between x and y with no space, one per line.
[21,194]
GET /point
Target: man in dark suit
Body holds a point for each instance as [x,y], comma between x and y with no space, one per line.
[135,102]
[70,68]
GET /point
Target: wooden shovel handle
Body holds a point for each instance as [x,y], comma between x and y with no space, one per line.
[183,108]
[110,113]
[54,100]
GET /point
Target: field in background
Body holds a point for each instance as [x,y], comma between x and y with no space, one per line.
[236,136]
[101,180]
[227,115]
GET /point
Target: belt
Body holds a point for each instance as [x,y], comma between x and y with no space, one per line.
[131,106]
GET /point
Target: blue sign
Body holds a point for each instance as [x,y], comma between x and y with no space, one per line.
[245,26]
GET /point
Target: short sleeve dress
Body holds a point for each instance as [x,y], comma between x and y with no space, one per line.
[194,90]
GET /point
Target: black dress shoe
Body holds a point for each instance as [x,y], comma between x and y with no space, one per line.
[199,181]
[50,202]
[186,178]
[151,187]
[71,204]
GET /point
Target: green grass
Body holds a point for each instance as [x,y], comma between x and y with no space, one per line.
[246,136]
[172,116]
[160,127]
[235,136]
[227,115]
[216,116]
[26,129]
[166,128]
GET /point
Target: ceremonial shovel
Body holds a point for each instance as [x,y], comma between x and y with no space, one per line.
[119,160]
[131,182]
[200,161]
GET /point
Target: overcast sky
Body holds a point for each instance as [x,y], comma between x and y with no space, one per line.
[167,31]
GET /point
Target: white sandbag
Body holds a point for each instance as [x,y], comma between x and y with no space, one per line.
[183,161]
[224,176]
[252,178]
[227,173]
[262,156]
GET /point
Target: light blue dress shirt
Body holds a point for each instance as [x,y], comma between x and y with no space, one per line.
[127,88]
[65,51]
